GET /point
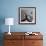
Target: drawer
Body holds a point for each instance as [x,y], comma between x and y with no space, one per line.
[37,43]
[13,43]
[33,43]
[16,37]
[9,43]
[33,37]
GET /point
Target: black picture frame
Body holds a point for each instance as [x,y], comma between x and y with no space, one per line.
[27,15]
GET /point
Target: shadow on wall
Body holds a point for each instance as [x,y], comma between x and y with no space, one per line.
[2,21]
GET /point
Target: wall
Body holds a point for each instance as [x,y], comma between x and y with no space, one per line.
[9,8]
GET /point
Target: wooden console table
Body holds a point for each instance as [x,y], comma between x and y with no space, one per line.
[20,39]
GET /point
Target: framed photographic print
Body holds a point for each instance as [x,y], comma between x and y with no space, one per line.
[27,15]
